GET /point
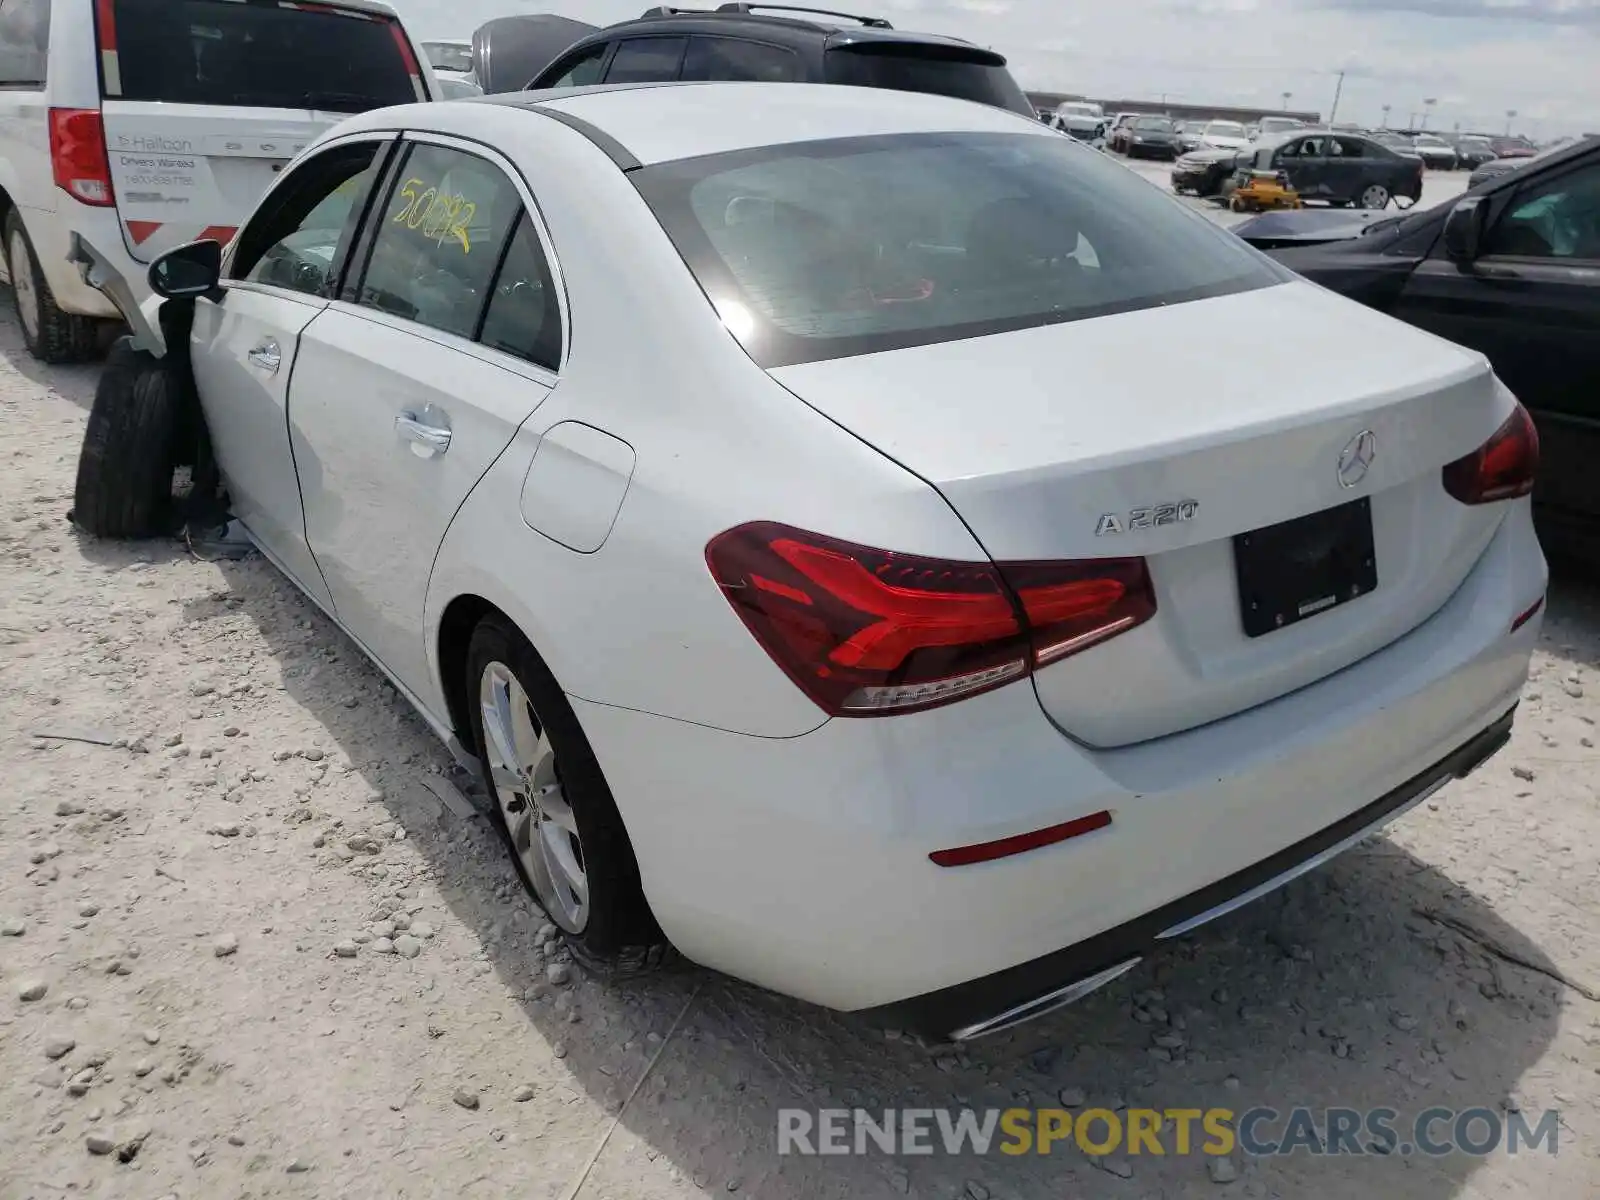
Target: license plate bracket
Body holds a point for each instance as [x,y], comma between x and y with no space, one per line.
[1298,569]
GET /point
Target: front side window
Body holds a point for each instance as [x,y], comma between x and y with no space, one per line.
[715,58]
[438,239]
[646,60]
[223,52]
[300,234]
[24,43]
[1557,219]
[580,71]
[833,248]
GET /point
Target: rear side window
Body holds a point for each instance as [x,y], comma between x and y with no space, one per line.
[646,60]
[438,240]
[715,58]
[24,42]
[523,317]
[914,68]
[246,53]
[834,248]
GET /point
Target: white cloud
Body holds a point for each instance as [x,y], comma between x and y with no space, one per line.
[1478,57]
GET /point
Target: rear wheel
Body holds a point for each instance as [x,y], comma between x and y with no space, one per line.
[1374,196]
[52,336]
[556,813]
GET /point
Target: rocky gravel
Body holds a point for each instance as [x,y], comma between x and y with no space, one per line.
[258,941]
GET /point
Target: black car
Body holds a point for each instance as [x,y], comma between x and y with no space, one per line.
[1150,137]
[1203,172]
[1340,168]
[1474,151]
[763,42]
[1512,269]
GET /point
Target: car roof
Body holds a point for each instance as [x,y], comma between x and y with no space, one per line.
[790,28]
[661,122]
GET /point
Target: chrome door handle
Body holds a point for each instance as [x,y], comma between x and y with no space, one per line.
[267,356]
[426,440]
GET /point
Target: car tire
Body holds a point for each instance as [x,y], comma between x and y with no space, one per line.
[1373,196]
[130,448]
[554,809]
[52,336]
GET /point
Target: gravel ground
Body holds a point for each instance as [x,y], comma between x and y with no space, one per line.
[256,943]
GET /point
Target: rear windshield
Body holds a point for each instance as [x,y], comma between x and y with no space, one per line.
[253,54]
[449,56]
[828,249]
[917,68]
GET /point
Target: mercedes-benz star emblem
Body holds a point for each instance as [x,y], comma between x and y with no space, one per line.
[1355,460]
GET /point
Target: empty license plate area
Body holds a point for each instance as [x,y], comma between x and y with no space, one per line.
[1297,569]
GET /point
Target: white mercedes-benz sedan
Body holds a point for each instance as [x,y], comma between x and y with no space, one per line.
[794,497]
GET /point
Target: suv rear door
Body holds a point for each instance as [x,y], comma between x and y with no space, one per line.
[205,101]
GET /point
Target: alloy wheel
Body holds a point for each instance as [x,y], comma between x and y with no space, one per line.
[527,784]
[1375,195]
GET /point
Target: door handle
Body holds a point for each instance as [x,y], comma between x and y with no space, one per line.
[426,439]
[267,356]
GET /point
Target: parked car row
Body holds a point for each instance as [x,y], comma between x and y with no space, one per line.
[1512,270]
[1337,168]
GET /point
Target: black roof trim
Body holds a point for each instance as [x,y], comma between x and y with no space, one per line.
[615,150]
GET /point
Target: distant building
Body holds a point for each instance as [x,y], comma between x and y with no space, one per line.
[1046,101]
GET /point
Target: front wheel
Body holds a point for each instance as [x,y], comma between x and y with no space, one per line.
[556,813]
[1374,196]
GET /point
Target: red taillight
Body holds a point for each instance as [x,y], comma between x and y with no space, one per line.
[867,632]
[1502,468]
[78,155]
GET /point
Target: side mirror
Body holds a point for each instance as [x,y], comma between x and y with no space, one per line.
[1463,231]
[187,272]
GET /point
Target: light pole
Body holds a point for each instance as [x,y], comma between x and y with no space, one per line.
[1286,97]
[1427,111]
[1511,115]
[1386,109]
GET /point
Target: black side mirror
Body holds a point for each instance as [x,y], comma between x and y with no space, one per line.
[187,272]
[1463,231]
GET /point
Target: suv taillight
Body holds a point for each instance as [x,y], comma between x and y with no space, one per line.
[867,632]
[78,155]
[1503,468]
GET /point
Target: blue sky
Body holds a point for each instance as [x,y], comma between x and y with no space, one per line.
[1475,58]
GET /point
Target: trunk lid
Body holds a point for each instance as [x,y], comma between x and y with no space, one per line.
[1240,405]
[205,102]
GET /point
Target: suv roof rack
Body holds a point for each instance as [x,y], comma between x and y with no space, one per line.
[666,10]
[869,22]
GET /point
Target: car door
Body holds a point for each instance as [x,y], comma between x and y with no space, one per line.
[1346,167]
[1306,164]
[279,275]
[415,379]
[1531,303]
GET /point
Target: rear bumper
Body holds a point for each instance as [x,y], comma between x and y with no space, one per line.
[51,233]
[1034,988]
[802,864]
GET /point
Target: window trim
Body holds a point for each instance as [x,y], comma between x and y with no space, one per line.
[386,140]
[40,84]
[350,282]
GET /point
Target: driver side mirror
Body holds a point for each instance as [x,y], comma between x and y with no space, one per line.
[1463,231]
[188,272]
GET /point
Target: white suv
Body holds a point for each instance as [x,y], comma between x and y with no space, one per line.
[139,125]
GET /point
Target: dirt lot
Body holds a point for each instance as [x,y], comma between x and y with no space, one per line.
[197,908]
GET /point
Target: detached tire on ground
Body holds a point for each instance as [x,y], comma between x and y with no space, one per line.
[554,808]
[130,448]
[52,336]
